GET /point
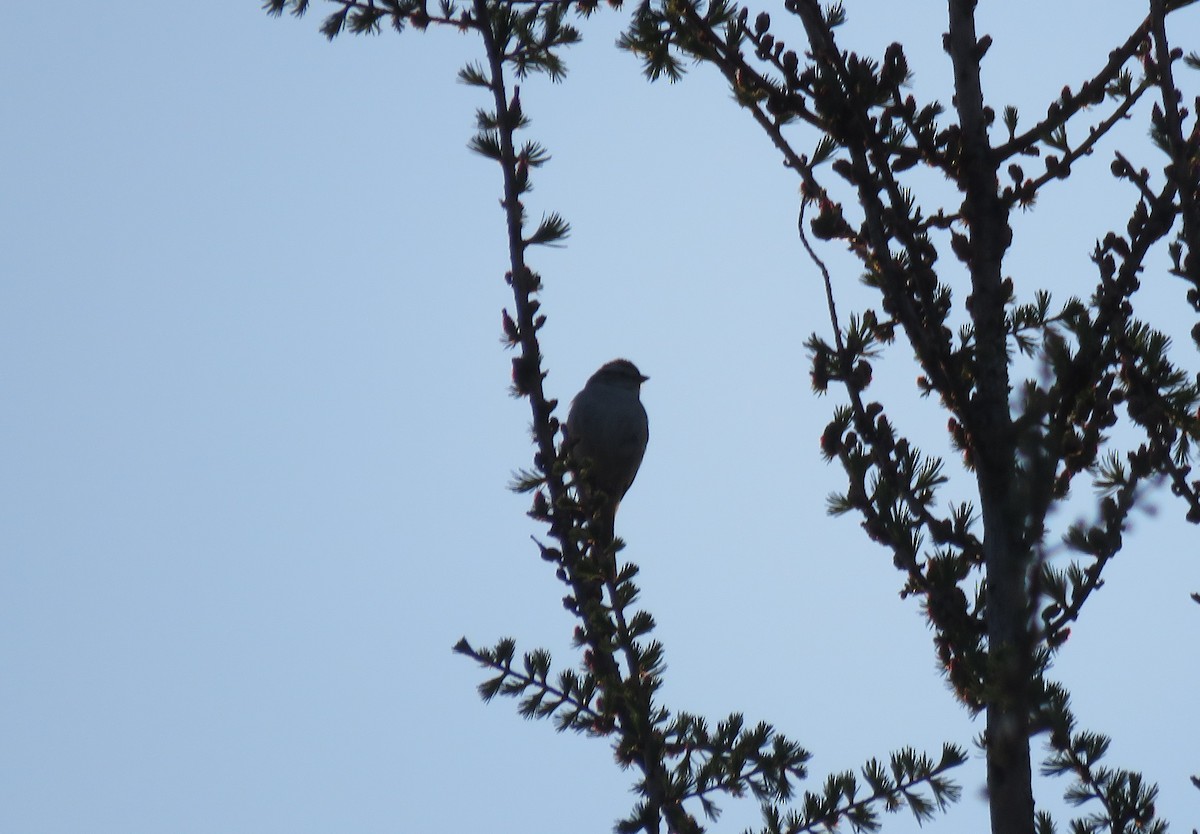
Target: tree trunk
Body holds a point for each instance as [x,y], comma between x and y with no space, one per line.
[993,445]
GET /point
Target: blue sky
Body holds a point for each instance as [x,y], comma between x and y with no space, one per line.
[256,432]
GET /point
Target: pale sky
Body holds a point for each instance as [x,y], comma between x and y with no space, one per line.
[256,432]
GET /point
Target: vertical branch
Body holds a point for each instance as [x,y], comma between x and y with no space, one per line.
[993,442]
[627,701]
[1183,171]
[527,373]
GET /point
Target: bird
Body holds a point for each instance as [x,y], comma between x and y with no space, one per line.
[607,433]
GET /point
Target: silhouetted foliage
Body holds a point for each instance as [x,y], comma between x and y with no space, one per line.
[999,609]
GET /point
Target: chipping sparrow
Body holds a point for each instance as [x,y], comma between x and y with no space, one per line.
[608,427]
